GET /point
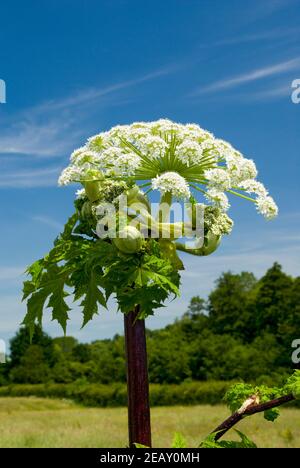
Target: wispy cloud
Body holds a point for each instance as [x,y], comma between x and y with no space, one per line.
[272,93]
[29,178]
[250,76]
[266,35]
[47,221]
[52,127]
[90,95]
[264,8]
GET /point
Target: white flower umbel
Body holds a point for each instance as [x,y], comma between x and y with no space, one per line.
[169,156]
[171,182]
[267,207]
[254,187]
[218,178]
[189,152]
[240,168]
[218,198]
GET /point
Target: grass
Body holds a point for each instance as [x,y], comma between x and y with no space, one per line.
[36,422]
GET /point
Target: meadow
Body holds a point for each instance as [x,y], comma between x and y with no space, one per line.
[38,422]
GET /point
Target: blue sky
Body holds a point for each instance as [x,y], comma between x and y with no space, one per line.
[74,68]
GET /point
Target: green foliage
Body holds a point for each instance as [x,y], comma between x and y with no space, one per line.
[245,442]
[240,392]
[20,344]
[179,441]
[32,368]
[293,385]
[93,269]
[115,395]
[228,309]
[191,348]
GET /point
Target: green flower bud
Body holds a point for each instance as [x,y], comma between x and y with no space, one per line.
[92,189]
[136,196]
[130,240]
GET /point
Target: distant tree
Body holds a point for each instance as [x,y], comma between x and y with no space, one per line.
[289,325]
[197,306]
[20,343]
[109,361]
[228,305]
[168,358]
[81,353]
[65,343]
[32,367]
[273,304]
[243,331]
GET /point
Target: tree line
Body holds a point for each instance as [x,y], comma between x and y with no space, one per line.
[244,330]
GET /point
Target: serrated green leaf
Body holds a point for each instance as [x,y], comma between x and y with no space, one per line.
[35,306]
[245,442]
[93,297]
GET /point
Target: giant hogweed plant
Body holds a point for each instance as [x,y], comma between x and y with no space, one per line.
[182,162]
[131,253]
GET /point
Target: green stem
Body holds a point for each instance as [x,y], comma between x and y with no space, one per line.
[241,196]
[166,201]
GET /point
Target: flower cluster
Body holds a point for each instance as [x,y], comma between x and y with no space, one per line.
[170,157]
[173,183]
[216,221]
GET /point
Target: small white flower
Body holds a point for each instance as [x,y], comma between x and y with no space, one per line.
[267,207]
[98,142]
[154,145]
[171,182]
[127,163]
[253,186]
[69,175]
[189,152]
[85,157]
[77,153]
[118,131]
[80,194]
[109,156]
[165,125]
[241,168]
[138,133]
[217,221]
[218,178]
[218,198]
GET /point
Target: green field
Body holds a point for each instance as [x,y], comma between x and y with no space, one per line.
[35,422]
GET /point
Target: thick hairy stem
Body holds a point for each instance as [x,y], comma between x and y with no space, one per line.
[248,410]
[137,380]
